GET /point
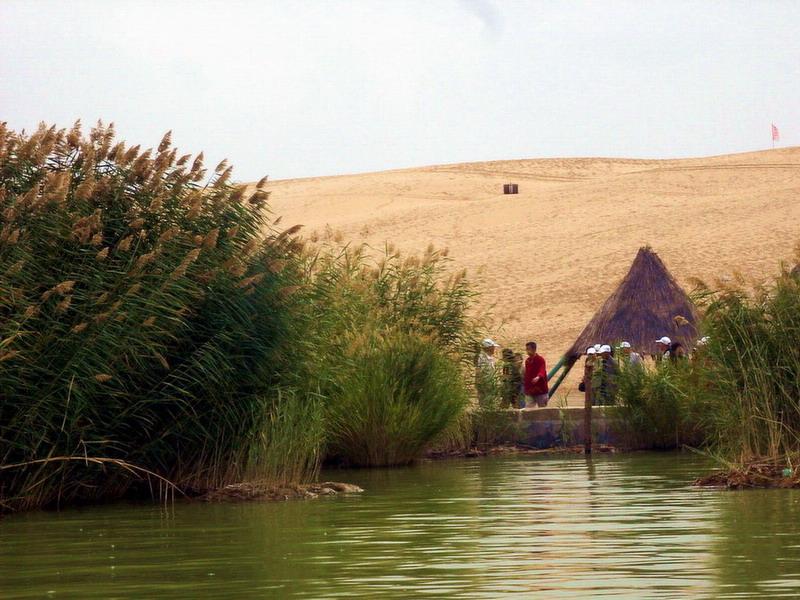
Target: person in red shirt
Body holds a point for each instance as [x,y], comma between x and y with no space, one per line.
[535,380]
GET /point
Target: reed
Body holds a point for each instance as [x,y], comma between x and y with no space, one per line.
[740,394]
[752,364]
[657,405]
[138,318]
[383,339]
[400,393]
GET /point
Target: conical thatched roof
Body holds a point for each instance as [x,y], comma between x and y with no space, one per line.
[647,305]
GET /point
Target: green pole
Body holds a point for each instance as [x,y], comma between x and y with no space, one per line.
[567,367]
[555,369]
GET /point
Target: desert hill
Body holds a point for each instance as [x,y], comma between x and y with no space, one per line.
[547,258]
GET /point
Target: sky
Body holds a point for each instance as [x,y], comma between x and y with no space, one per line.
[325,87]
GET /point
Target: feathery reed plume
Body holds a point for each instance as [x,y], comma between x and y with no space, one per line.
[156,205]
[102,377]
[288,291]
[276,265]
[125,244]
[197,165]
[258,198]
[64,287]
[74,135]
[169,234]
[166,141]
[235,268]
[250,246]
[64,304]
[16,267]
[194,210]
[141,262]
[237,194]
[143,166]
[254,280]
[210,240]
[223,179]
[79,327]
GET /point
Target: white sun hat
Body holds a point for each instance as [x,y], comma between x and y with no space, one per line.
[591,350]
[625,345]
[664,340]
[487,343]
[597,347]
[604,348]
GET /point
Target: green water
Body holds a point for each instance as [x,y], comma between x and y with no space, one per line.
[623,526]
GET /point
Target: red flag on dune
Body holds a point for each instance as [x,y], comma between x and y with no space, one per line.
[775,135]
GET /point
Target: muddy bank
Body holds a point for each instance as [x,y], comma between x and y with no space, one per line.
[503,449]
[239,492]
[757,474]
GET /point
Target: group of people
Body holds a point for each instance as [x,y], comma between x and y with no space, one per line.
[519,381]
[522,381]
[600,371]
[601,366]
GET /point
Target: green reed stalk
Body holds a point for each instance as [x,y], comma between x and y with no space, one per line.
[140,312]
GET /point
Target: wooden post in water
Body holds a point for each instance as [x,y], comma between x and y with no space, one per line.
[588,368]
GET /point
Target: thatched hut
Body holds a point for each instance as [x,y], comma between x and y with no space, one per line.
[647,305]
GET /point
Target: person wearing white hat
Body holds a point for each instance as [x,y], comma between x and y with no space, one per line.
[631,356]
[588,365]
[664,344]
[604,384]
[485,381]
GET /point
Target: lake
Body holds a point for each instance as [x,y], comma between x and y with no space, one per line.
[522,526]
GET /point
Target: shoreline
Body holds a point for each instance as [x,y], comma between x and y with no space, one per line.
[757,474]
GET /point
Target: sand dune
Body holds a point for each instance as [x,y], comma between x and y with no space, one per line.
[547,258]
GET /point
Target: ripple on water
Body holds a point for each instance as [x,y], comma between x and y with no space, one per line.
[612,526]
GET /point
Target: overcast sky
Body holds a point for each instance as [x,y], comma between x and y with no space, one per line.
[307,88]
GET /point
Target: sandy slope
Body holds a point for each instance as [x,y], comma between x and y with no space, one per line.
[548,257]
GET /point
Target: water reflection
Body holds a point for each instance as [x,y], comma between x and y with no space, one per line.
[624,526]
[757,547]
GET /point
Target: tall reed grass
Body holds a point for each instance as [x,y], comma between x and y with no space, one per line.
[753,367]
[386,343]
[657,405]
[740,394]
[156,327]
[401,392]
[140,308]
